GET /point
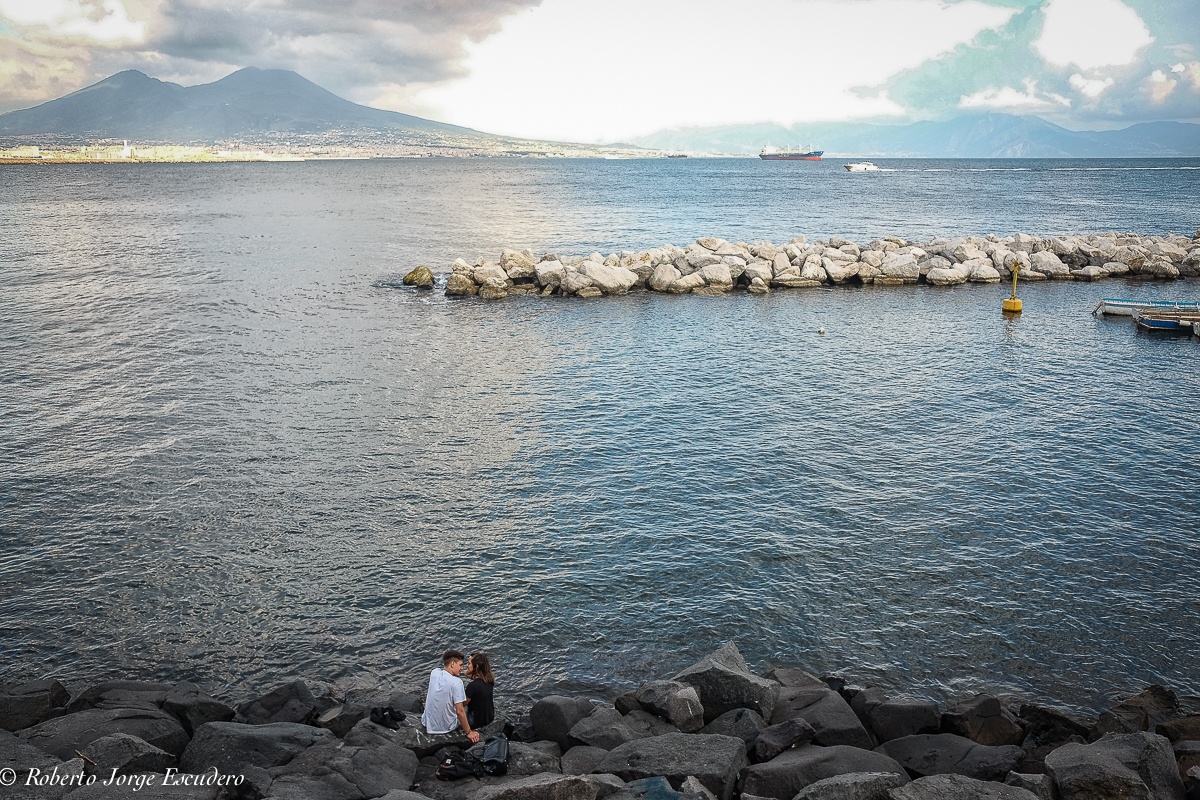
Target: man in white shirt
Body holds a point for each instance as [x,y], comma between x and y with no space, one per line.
[445,702]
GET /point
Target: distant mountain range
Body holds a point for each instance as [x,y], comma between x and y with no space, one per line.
[989,135]
[132,105]
[256,103]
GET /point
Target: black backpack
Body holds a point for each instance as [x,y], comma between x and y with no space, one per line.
[495,755]
[458,764]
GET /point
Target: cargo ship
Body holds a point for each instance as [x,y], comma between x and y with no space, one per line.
[790,154]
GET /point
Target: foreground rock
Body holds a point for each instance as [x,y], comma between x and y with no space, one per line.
[715,760]
[702,734]
[783,777]
[711,266]
[724,682]
[958,787]
[945,753]
[1116,767]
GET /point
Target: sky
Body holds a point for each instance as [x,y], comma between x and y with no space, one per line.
[608,70]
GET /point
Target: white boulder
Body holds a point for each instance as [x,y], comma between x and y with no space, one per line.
[608,278]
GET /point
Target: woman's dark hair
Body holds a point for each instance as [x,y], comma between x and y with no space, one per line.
[481,667]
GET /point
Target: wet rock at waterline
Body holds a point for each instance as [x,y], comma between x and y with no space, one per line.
[711,266]
[829,739]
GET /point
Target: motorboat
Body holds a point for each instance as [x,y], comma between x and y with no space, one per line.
[1128,308]
[862,166]
[1163,320]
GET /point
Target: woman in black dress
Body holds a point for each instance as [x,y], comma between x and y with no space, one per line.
[480,708]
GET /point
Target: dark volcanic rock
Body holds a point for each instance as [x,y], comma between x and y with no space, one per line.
[724,682]
[541,787]
[740,722]
[1041,785]
[894,717]
[62,736]
[715,760]
[20,757]
[28,704]
[604,728]
[958,787]
[627,702]
[648,724]
[675,702]
[827,712]
[1180,729]
[292,702]
[983,719]
[1140,712]
[127,755]
[233,746]
[783,777]
[944,753]
[331,767]
[1187,755]
[193,708]
[1117,767]
[340,720]
[793,678]
[120,694]
[855,786]
[553,717]
[1045,729]
[582,760]
[774,740]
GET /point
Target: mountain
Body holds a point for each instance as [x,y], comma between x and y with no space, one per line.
[132,105]
[988,135]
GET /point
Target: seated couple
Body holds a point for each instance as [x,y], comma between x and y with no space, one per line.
[448,706]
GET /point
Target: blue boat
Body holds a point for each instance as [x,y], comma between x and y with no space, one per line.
[1167,319]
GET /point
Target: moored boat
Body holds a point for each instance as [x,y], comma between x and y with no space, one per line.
[1167,319]
[1128,308]
[862,166]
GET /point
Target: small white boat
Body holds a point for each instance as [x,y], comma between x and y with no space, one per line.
[862,166]
[1128,308]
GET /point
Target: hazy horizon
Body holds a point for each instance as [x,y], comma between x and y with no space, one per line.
[592,71]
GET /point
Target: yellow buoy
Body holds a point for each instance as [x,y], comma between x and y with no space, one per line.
[1012,305]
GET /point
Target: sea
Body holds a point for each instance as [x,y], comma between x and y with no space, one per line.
[234,449]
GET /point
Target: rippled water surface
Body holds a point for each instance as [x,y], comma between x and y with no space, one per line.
[232,449]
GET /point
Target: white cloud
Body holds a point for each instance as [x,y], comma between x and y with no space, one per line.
[1006,97]
[102,21]
[1090,87]
[602,70]
[1160,86]
[1091,34]
[1189,72]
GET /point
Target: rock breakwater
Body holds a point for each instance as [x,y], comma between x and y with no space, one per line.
[712,266]
[713,731]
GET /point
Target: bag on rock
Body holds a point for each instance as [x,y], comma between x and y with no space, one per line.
[458,764]
[387,717]
[495,755]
